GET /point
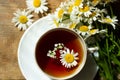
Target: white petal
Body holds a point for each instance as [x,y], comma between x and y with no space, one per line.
[94,18]
[17,23]
[17,15]
[14,20]
[72,52]
[20,26]
[96,54]
[44,8]
[24,27]
[113,25]
[41,10]
[76,54]
[67,51]
[29,23]
[75,63]
[36,11]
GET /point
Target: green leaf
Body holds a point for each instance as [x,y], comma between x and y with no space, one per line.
[65,18]
[118,53]
[106,70]
[115,60]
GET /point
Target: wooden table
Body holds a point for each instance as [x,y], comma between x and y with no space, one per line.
[10,37]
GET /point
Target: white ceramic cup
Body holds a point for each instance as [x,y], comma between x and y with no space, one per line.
[80,66]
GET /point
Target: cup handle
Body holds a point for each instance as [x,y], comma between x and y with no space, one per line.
[92,50]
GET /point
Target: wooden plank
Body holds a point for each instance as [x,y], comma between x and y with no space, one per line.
[10,37]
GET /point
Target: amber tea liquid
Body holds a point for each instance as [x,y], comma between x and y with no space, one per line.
[53,67]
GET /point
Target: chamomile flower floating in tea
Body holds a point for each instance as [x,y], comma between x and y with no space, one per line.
[52,53]
[58,46]
[22,19]
[38,6]
[68,58]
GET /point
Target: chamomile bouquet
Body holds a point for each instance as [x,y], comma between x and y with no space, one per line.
[95,22]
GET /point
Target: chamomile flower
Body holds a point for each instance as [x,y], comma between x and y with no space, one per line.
[109,20]
[95,2]
[85,10]
[94,16]
[104,2]
[75,16]
[72,25]
[22,19]
[38,6]
[78,3]
[84,30]
[59,13]
[70,8]
[93,31]
[64,6]
[58,46]
[64,25]
[68,58]
[54,20]
[51,54]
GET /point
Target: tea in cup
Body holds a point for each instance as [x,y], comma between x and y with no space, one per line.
[61,53]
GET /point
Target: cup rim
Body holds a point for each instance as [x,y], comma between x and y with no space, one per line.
[80,67]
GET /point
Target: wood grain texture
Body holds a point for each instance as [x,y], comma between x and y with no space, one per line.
[10,37]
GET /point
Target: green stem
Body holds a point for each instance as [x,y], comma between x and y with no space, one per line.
[111,11]
[96,24]
[115,43]
[111,39]
[109,59]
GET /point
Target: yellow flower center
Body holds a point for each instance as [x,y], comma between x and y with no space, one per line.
[93,14]
[83,28]
[70,8]
[36,3]
[72,26]
[107,1]
[77,2]
[23,19]
[56,23]
[85,9]
[60,13]
[69,58]
[95,2]
[107,20]
[93,31]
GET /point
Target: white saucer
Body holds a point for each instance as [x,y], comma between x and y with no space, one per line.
[26,54]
